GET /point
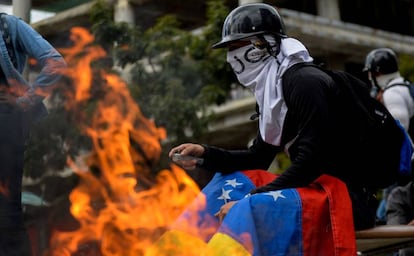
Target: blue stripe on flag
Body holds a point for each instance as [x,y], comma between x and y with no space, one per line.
[234,186]
[259,219]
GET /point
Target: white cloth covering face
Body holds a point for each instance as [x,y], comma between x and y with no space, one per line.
[383,81]
[257,70]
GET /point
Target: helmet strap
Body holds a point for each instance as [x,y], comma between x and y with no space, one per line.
[271,49]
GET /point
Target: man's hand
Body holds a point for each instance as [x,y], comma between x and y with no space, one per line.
[190,150]
[224,210]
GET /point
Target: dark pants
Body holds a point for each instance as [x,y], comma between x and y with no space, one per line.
[13,135]
[14,242]
[364,206]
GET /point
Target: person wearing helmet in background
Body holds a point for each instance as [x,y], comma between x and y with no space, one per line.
[382,69]
[381,66]
[297,116]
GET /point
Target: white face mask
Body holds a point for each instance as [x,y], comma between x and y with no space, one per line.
[261,72]
[247,62]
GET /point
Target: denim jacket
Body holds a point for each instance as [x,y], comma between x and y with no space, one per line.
[29,43]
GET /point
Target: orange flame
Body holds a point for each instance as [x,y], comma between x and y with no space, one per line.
[113,215]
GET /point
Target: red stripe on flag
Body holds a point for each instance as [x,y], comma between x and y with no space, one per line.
[327,223]
[259,177]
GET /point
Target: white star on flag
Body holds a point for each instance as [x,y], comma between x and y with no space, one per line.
[275,194]
[225,194]
[232,183]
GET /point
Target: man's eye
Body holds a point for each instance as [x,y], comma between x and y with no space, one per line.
[259,44]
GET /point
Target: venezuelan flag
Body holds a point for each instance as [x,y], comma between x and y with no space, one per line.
[311,221]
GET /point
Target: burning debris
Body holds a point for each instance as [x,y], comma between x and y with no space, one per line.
[117,216]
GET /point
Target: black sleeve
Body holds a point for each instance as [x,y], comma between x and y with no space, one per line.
[258,156]
[308,97]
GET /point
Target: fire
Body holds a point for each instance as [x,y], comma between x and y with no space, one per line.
[115,217]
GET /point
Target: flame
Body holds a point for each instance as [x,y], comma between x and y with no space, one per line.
[115,217]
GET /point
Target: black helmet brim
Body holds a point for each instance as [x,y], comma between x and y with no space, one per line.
[235,37]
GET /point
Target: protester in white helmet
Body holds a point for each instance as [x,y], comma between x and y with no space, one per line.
[382,69]
[390,88]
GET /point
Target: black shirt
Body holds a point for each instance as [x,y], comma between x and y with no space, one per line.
[318,129]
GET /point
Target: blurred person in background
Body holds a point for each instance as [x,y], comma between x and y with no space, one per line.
[390,88]
[21,103]
[400,210]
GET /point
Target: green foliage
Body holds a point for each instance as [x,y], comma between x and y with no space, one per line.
[406,64]
[54,139]
[214,70]
[174,74]
[107,32]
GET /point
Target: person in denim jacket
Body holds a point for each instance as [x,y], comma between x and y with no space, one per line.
[21,102]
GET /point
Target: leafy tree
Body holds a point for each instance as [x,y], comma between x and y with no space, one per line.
[406,64]
[173,75]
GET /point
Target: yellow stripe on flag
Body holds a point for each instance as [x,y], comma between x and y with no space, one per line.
[177,243]
[221,244]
